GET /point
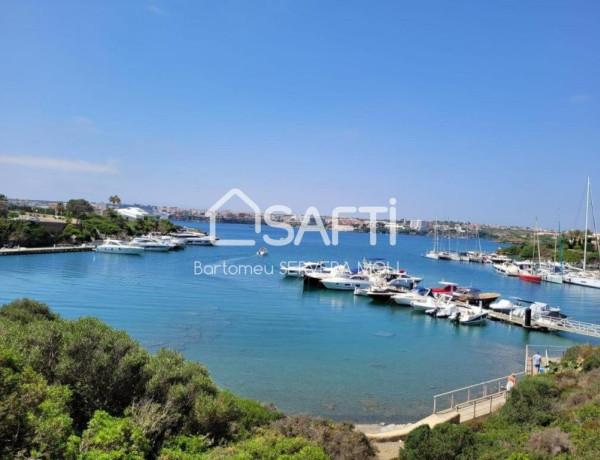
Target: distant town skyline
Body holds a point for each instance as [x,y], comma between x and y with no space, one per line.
[483,112]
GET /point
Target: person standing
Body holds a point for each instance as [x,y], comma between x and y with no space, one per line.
[512,382]
[536,359]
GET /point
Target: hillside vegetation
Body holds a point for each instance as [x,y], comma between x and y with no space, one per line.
[82,390]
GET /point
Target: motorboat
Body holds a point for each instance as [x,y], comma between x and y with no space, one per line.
[446,311]
[347,283]
[507,268]
[298,271]
[449,288]
[262,252]
[174,243]
[504,306]
[384,293]
[538,310]
[150,244]
[428,303]
[361,291]
[318,274]
[406,298]
[469,316]
[499,258]
[475,296]
[405,280]
[118,247]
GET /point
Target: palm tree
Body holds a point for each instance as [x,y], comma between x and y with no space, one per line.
[115,200]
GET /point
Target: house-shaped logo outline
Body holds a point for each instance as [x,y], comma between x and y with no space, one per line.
[211,213]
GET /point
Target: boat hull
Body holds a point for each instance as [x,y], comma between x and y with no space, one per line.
[530,278]
[120,250]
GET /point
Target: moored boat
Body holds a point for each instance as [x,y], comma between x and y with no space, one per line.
[118,247]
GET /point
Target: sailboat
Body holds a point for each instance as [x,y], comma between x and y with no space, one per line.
[583,277]
[434,253]
[554,273]
[530,274]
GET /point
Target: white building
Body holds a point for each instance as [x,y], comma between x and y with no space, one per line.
[419,225]
[132,213]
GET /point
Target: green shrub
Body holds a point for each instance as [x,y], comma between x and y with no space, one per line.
[110,437]
[26,311]
[105,368]
[270,446]
[444,441]
[34,418]
[591,362]
[532,401]
[184,448]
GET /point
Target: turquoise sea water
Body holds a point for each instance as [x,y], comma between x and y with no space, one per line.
[306,350]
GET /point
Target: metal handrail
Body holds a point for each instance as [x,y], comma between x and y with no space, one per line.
[484,386]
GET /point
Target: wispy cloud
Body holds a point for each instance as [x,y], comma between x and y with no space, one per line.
[155,10]
[59,164]
[578,98]
[85,124]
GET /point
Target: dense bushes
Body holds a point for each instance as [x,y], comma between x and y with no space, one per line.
[80,389]
[443,442]
[532,402]
[23,233]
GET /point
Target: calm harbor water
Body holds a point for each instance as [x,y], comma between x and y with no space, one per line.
[306,350]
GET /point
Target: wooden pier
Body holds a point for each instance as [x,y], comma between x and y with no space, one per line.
[47,250]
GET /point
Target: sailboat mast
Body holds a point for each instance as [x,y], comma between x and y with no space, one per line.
[587,206]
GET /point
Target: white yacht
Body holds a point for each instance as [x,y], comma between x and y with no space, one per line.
[262,252]
[118,247]
[407,297]
[347,283]
[150,244]
[174,243]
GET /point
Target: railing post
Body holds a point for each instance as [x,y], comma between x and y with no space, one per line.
[451,400]
[491,399]
[468,395]
[434,404]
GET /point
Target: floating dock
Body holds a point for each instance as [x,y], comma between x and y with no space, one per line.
[550,324]
[47,250]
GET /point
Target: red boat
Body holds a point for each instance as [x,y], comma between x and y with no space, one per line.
[525,276]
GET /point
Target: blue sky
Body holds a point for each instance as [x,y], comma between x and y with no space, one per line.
[487,111]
